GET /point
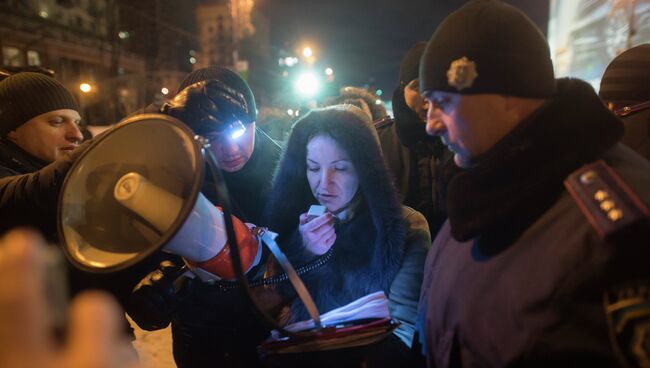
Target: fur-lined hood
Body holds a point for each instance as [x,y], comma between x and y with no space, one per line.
[349,127]
[364,260]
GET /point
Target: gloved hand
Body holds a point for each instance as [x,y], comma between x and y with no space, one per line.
[155,298]
[207,105]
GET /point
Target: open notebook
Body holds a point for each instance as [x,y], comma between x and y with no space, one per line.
[364,321]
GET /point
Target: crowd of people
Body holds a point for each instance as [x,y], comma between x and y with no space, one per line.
[502,212]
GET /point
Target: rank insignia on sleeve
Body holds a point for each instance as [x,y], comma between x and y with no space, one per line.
[628,316]
[461,73]
[608,203]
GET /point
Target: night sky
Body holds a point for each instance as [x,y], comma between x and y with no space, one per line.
[364,40]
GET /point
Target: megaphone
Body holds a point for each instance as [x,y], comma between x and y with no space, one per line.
[136,190]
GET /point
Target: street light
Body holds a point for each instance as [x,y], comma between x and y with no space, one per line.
[307,84]
[307,52]
[85,87]
[329,71]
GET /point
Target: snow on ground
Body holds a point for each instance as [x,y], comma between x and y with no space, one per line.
[154,347]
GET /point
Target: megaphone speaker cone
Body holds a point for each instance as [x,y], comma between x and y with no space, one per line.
[100,233]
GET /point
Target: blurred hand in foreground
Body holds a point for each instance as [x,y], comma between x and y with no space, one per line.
[94,337]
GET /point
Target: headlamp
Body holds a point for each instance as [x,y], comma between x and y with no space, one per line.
[236,129]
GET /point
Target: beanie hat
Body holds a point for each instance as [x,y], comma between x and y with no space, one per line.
[627,77]
[227,77]
[24,96]
[488,46]
[410,67]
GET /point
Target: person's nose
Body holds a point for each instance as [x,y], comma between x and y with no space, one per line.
[229,147]
[435,125]
[326,177]
[73,133]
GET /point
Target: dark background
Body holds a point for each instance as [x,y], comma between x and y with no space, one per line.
[364,40]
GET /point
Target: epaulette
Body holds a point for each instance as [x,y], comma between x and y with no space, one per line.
[603,197]
[631,110]
[383,122]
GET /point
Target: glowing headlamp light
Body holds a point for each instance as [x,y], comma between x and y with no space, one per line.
[236,129]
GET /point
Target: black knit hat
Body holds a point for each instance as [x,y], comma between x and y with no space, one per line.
[410,67]
[229,78]
[627,77]
[488,46]
[24,96]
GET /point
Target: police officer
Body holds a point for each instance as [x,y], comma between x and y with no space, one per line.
[544,258]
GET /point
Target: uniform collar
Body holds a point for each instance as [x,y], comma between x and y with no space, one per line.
[521,176]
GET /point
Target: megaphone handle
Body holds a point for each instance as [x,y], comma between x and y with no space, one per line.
[296,281]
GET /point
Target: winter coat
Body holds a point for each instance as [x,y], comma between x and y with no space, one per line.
[379,248]
[415,161]
[519,274]
[355,269]
[27,197]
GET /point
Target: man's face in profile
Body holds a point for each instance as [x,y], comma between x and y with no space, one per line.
[414,99]
[469,125]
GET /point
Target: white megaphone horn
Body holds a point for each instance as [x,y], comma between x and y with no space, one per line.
[201,240]
[136,190]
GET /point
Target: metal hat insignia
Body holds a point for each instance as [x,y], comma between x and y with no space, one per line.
[462,73]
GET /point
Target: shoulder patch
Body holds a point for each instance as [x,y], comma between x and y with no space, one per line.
[608,203]
[627,308]
[383,122]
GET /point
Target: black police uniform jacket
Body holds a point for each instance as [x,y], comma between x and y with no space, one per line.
[518,276]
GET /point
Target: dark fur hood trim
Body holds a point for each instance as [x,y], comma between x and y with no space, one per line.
[522,175]
[292,196]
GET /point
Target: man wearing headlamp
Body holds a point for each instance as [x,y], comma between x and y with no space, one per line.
[212,324]
[218,105]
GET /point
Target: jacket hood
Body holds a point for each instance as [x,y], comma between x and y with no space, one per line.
[351,129]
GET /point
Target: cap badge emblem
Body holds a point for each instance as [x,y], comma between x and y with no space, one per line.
[461,73]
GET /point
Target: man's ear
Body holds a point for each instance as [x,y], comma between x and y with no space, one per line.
[522,107]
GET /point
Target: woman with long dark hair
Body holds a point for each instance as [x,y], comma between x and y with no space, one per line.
[371,242]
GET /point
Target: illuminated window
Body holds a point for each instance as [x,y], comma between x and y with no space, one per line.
[12,56]
[33,58]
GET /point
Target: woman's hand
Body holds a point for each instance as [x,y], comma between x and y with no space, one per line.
[318,235]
